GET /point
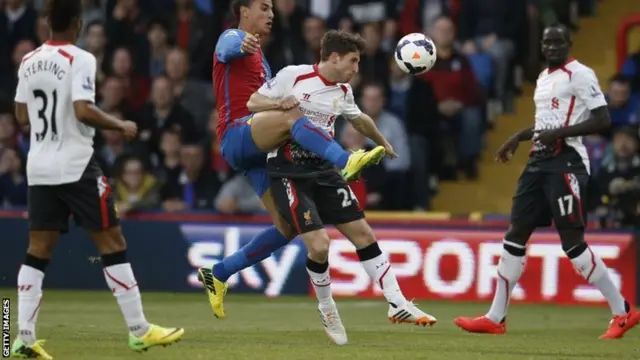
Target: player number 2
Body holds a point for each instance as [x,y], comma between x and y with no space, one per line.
[347,197]
[42,114]
[565,203]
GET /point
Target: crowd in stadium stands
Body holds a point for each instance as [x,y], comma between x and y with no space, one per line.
[155,59]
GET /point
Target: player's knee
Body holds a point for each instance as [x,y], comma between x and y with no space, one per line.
[518,235]
[285,229]
[318,248]
[572,240]
[110,241]
[41,245]
[292,116]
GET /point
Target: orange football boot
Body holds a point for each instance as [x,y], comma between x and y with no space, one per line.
[480,325]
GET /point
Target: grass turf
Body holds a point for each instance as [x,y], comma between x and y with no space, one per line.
[88,325]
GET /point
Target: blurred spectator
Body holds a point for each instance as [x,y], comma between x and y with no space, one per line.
[458,96]
[622,105]
[91,14]
[17,23]
[418,16]
[112,95]
[287,45]
[193,34]
[136,88]
[195,188]
[619,177]
[596,148]
[163,113]
[374,62]
[166,162]
[631,70]
[397,170]
[194,95]
[126,27]
[350,15]
[413,100]
[42,30]
[7,131]
[13,182]
[236,196]
[158,49]
[135,189]
[215,158]
[491,26]
[314,29]
[95,42]
[9,78]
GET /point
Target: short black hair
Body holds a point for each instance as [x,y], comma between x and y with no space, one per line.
[237,4]
[63,13]
[340,42]
[563,28]
[619,78]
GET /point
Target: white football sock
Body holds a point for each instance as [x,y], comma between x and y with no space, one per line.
[510,269]
[595,271]
[29,298]
[322,286]
[123,284]
[380,271]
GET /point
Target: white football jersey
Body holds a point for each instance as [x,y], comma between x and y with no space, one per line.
[321,101]
[50,79]
[565,96]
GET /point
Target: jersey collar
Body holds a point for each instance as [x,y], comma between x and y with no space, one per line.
[561,67]
[324,79]
[57,43]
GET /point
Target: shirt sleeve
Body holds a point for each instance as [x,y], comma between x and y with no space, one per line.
[281,85]
[229,45]
[22,90]
[587,89]
[351,109]
[84,79]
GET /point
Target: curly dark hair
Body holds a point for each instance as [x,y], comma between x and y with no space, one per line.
[340,42]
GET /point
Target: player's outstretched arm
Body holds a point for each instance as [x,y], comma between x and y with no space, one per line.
[598,122]
[524,134]
[365,125]
[91,115]
[234,44]
[259,103]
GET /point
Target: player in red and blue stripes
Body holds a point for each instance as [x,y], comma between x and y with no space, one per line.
[239,70]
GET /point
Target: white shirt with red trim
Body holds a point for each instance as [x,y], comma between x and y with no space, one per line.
[321,100]
[50,79]
[565,96]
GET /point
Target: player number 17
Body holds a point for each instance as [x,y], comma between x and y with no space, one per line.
[565,204]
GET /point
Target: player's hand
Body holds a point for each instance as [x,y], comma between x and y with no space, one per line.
[288,103]
[546,137]
[506,151]
[250,44]
[390,152]
[129,129]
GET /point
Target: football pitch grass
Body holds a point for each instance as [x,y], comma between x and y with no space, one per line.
[89,326]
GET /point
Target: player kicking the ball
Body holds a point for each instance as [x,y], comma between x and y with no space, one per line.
[308,190]
[569,105]
[240,68]
[55,94]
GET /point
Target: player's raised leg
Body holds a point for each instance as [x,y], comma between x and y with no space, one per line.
[376,264]
[259,248]
[565,192]
[269,129]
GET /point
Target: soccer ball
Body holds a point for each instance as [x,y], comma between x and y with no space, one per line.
[415,54]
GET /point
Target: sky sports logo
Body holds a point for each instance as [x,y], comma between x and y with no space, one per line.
[6,327]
